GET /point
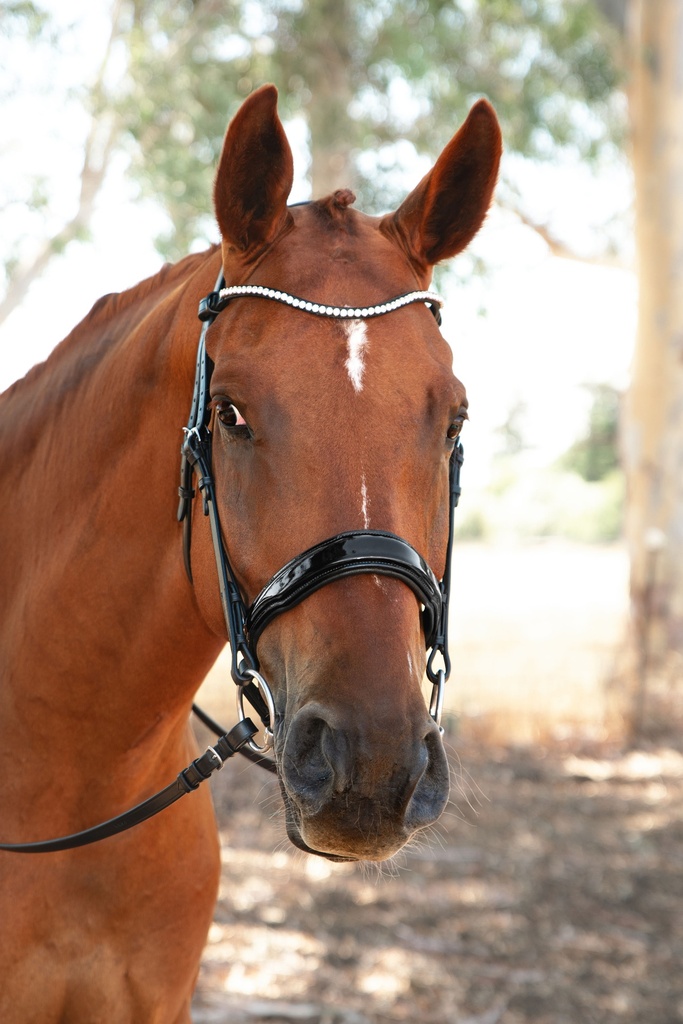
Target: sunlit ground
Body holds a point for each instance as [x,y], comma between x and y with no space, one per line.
[551,892]
[536,632]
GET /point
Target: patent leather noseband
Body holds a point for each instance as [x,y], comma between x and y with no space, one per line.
[346,554]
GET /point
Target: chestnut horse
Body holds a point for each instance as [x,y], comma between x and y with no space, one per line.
[320,425]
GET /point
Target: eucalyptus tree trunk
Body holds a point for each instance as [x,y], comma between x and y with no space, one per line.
[329,61]
[653,428]
[103,135]
[331,150]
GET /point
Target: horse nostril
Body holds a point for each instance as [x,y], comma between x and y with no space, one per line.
[311,759]
[430,795]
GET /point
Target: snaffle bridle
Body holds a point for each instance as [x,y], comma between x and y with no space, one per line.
[346,554]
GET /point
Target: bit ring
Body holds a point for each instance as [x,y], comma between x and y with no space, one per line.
[436,702]
[267,695]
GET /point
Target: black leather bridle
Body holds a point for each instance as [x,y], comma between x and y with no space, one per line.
[346,554]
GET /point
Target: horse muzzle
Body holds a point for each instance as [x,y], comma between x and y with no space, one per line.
[356,789]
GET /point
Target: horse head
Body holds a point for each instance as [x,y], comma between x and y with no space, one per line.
[325,425]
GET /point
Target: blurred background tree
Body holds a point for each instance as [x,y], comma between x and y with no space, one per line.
[653,423]
[596,453]
[377,83]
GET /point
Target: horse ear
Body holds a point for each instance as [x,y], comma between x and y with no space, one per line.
[254,177]
[443,214]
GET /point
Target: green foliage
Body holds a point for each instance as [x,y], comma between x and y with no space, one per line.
[535,504]
[368,77]
[581,498]
[22,17]
[596,454]
[365,75]
[172,104]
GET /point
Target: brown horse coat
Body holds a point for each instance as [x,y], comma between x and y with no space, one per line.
[103,639]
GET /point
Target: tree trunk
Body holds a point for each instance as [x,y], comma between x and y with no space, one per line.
[653,428]
[92,179]
[330,73]
[99,145]
[331,149]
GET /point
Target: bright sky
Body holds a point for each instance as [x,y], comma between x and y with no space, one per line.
[551,324]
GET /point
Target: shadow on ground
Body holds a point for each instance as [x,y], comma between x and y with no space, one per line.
[552,894]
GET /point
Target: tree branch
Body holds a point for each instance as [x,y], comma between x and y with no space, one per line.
[560,248]
[92,177]
[99,144]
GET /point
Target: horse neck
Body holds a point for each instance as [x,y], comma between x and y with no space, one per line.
[92,549]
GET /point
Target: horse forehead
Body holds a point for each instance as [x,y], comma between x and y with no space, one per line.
[338,258]
[327,239]
[350,384]
[282,355]
[394,353]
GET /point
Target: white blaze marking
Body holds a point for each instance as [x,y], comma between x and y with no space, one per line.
[364,503]
[357,337]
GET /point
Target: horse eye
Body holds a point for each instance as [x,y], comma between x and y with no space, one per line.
[229,414]
[454,429]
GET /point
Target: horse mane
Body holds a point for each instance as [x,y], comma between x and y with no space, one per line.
[109,306]
[49,388]
[87,342]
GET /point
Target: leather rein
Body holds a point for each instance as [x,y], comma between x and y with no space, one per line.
[346,554]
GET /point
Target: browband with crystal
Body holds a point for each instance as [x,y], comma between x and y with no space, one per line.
[217,301]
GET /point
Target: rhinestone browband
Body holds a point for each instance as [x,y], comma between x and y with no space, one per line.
[217,301]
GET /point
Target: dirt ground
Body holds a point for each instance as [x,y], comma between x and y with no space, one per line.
[552,893]
[552,890]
